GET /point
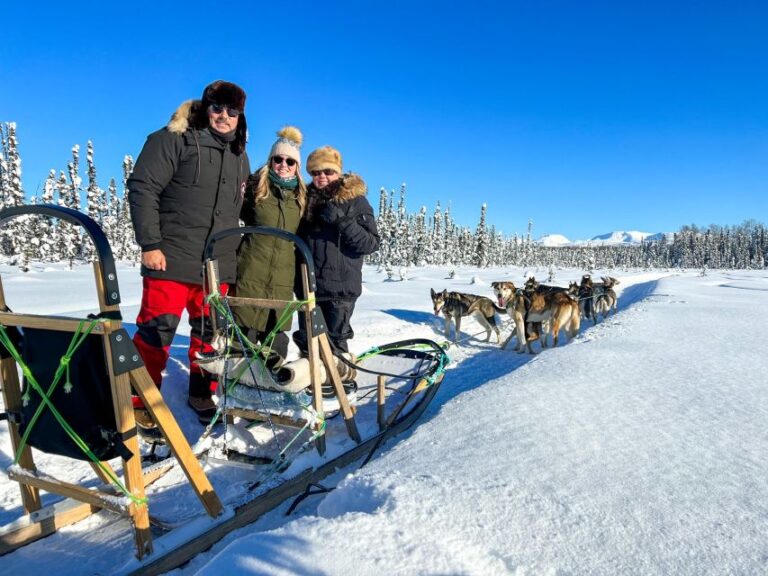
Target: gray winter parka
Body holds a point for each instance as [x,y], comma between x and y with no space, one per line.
[185,186]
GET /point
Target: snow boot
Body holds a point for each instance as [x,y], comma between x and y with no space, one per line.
[205,408]
[148,430]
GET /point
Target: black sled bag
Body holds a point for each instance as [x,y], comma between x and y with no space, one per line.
[87,408]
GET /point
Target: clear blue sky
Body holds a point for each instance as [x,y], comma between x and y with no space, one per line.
[586,116]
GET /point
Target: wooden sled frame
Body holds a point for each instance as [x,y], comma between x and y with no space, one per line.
[319,348]
[125,370]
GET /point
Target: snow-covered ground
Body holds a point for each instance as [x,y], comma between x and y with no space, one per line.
[639,448]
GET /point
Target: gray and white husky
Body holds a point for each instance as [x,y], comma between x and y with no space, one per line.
[456,305]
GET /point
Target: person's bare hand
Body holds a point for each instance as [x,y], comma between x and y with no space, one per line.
[153,259]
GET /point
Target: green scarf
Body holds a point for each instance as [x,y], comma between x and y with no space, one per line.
[285,184]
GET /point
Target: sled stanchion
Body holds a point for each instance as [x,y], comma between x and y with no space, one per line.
[11,387]
[380,401]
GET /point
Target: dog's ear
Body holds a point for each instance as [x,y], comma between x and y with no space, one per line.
[445,292]
[432,292]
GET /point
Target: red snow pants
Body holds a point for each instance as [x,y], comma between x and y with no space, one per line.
[162,303]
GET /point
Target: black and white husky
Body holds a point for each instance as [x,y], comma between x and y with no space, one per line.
[456,305]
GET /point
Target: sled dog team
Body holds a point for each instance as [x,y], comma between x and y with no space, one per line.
[537,310]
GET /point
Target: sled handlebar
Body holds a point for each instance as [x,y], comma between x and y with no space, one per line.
[100,242]
[301,247]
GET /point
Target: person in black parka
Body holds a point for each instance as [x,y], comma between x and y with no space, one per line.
[188,183]
[340,229]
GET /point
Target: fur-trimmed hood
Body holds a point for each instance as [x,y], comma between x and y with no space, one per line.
[191,115]
[350,186]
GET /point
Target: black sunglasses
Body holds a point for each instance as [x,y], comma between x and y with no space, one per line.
[280,159]
[219,108]
[327,172]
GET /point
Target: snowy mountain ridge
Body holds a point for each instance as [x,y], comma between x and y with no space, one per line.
[609,238]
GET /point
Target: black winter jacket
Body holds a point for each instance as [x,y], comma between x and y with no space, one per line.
[185,186]
[338,249]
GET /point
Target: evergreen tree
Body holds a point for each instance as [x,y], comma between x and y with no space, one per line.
[481,240]
[437,241]
[12,233]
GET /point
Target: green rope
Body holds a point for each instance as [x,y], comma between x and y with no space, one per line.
[77,340]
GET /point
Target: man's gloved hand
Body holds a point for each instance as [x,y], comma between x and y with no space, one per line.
[332,214]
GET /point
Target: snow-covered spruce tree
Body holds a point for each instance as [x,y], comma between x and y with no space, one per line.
[437,241]
[4,173]
[126,247]
[449,238]
[420,252]
[381,256]
[12,233]
[93,194]
[111,214]
[480,258]
[46,230]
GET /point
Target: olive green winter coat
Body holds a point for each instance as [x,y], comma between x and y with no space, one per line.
[266,264]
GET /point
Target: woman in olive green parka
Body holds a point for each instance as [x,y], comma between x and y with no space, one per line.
[275,196]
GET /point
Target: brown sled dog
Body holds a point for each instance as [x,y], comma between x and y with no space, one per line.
[606,300]
[553,306]
[455,305]
[514,301]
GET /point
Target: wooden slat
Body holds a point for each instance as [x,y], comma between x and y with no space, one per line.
[59,324]
[9,376]
[93,497]
[330,365]
[380,401]
[261,417]
[259,302]
[48,520]
[42,523]
[126,426]
[312,352]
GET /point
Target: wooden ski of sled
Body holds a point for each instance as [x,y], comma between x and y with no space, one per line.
[124,369]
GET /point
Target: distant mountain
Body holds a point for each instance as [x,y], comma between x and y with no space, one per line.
[610,238]
[620,237]
[553,240]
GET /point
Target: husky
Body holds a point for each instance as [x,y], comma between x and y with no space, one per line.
[515,302]
[553,305]
[455,305]
[606,300]
[587,298]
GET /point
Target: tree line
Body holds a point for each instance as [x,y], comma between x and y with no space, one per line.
[407,239]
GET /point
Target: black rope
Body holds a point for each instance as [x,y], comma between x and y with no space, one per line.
[306,494]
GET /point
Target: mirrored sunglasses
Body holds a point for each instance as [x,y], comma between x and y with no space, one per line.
[280,159]
[219,108]
[326,171]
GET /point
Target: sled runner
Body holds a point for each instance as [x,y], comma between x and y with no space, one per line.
[90,416]
[276,443]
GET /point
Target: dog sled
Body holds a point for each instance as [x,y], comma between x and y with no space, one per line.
[73,405]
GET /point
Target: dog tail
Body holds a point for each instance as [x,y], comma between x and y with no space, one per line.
[499,309]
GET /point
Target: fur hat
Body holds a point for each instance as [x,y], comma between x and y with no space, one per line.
[224,93]
[325,157]
[288,144]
